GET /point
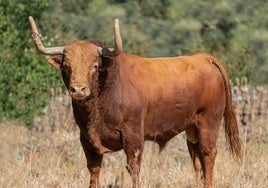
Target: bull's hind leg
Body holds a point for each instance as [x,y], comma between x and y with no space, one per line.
[208,130]
[194,153]
[93,162]
[193,148]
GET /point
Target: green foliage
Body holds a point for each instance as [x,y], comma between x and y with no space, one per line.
[24,81]
[235,31]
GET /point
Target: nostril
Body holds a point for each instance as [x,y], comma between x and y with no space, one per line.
[83,89]
[72,89]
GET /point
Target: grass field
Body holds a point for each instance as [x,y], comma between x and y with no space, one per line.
[55,159]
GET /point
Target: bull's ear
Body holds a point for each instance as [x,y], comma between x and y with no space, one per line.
[55,61]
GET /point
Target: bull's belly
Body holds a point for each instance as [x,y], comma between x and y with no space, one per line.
[163,131]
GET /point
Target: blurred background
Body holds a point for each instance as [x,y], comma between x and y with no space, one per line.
[235,31]
[44,151]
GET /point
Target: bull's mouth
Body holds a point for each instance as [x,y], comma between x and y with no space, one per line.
[78,97]
[82,100]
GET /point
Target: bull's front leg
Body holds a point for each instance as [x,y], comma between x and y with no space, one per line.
[133,147]
[94,160]
[134,156]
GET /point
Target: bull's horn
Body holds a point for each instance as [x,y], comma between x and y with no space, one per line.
[38,43]
[117,40]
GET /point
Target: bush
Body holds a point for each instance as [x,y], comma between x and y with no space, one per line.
[24,81]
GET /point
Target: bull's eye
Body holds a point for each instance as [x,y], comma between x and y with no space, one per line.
[63,64]
[94,68]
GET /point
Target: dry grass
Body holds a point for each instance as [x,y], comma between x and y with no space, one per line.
[35,159]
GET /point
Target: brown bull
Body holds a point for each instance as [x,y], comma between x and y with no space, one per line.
[120,100]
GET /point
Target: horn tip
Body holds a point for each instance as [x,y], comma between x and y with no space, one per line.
[116,21]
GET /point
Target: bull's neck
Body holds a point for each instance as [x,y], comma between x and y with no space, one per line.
[109,81]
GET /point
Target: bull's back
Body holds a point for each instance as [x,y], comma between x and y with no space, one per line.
[166,78]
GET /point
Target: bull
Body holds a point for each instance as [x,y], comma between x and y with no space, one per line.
[120,100]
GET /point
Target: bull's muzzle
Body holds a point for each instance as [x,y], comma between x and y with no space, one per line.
[79,91]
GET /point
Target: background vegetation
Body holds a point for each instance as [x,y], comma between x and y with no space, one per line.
[236,31]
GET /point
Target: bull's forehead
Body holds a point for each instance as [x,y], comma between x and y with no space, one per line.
[81,53]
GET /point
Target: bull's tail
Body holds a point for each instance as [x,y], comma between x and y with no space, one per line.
[230,122]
